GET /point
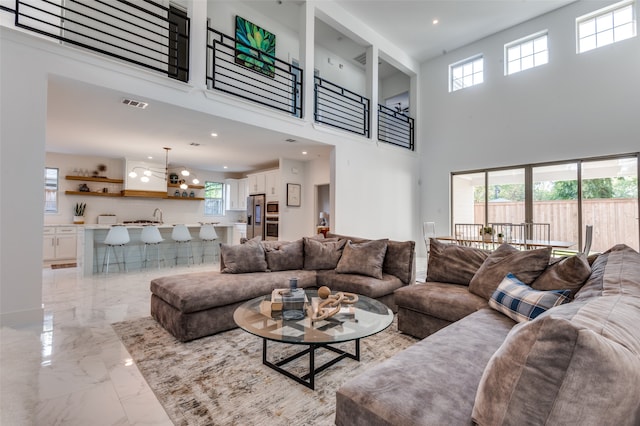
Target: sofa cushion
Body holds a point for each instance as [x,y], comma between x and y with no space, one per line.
[577,363]
[616,271]
[565,273]
[433,382]
[242,258]
[363,258]
[359,284]
[197,291]
[521,303]
[284,255]
[450,302]
[527,265]
[399,260]
[322,254]
[453,263]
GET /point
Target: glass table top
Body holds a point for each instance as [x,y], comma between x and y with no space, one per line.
[368,317]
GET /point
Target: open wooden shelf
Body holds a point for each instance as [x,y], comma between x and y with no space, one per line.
[94,194]
[173,197]
[94,179]
[177,185]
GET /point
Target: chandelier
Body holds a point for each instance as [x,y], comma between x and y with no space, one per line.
[147,172]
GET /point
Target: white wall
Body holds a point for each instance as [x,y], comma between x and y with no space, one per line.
[575,106]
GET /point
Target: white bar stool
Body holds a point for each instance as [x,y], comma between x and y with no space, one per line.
[150,236]
[118,235]
[208,235]
[182,236]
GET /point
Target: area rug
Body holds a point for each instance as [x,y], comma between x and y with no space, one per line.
[220,379]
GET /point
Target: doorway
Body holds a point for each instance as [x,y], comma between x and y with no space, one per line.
[323,208]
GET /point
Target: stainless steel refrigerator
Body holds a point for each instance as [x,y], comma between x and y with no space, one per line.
[255,215]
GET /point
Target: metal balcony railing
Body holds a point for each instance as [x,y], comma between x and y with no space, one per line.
[395,128]
[140,32]
[338,107]
[241,70]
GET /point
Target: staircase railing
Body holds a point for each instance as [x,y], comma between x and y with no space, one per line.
[241,70]
[395,128]
[142,32]
[338,107]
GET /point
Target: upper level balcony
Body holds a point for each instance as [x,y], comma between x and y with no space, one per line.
[150,35]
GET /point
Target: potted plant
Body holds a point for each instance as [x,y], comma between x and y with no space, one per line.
[486,232]
[500,237]
[78,213]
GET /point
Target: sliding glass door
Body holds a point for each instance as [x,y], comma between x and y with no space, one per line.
[555,200]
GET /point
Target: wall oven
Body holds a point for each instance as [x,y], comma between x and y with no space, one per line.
[272,208]
[271,228]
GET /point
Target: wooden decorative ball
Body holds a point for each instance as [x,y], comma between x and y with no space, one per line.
[324,292]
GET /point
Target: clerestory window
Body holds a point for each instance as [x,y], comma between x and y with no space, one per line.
[605,26]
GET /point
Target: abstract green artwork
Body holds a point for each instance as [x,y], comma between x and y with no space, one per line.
[255,47]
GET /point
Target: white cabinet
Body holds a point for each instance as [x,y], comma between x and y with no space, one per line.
[239,231]
[272,180]
[59,242]
[236,194]
[256,183]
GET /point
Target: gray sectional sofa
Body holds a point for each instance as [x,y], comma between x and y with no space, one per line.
[488,360]
[199,304]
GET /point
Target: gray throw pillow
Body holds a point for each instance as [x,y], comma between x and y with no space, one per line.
[322,254]
[399,260]
[284,255]
[527,265]
[247,257]
[565,273]
[363,258]
[453,263]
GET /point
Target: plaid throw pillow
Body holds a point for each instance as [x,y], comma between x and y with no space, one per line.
[521,303]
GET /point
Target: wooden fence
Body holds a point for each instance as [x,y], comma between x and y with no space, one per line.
[614,221]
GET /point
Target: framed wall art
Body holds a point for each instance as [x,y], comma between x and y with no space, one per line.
[293,194]
[255,47]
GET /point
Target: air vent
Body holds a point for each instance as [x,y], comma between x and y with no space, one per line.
[194,144]
[361,58]
[135,104]
[290,140]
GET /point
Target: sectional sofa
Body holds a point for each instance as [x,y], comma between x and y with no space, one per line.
[510,338]
[199,304]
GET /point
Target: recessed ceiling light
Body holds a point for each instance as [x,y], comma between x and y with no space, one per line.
[304,152]
[150,158]
[224,167]
[214,134]
[435,21]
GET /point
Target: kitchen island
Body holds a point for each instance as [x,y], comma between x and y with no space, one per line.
[91,249]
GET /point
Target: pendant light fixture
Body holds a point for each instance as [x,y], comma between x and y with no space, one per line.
[148,172]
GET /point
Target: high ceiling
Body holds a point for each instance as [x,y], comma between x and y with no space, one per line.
[88,120]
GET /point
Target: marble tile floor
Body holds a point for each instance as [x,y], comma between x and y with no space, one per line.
[72,369]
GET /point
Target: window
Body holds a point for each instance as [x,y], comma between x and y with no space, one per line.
[50,190]
[605,26]
[466,73]
[213,199]
[570,195]
[526,53]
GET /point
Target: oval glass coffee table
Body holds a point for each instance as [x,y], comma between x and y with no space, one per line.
[367,318]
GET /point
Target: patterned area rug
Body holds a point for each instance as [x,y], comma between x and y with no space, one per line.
[220,379]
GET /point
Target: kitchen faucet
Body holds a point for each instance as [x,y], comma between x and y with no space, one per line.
[157,210]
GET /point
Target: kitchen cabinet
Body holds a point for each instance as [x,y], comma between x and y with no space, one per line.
[236,194]
[257,183]
[272,182]
[59,243]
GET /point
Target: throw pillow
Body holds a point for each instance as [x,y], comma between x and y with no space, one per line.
[399,260]
[363,258]
[241,258]
[322,254]
[284,256]
[527,265]
[453,263]
[565,273]
[521,303]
